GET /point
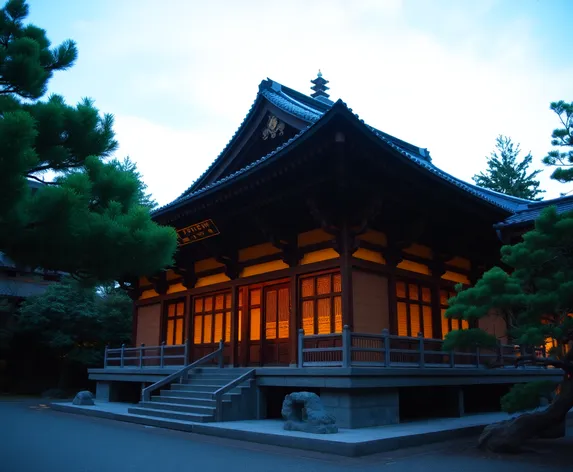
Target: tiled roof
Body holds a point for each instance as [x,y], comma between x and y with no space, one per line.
[311,110]
[532,210]
[21,289]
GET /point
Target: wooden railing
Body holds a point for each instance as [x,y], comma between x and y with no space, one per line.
[147,356]
[180,374]
[349,349]
[218,395]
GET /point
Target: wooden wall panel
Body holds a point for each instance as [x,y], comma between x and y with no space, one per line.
[148,325]
[259,250]
[313,237]
[370,301]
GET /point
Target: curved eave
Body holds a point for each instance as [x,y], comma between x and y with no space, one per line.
[236,137]
[527,215]
[236,176]
[506,203]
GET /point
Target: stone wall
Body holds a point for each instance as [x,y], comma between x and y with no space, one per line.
[362,408]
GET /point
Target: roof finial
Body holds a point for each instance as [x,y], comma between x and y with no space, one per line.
[319,86]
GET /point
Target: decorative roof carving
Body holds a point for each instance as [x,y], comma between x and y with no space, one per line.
[273,128]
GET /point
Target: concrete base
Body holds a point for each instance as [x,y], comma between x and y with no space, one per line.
[360,408]
[347,442]
[106,391]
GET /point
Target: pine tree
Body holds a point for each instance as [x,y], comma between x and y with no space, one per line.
[535,300]
[562,138]
[91,218]
[507,174]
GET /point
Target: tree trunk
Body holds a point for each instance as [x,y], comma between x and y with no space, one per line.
[509,435]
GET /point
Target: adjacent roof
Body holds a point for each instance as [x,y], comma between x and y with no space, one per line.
[529,213]
[312,111]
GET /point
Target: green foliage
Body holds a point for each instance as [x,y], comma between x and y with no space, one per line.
[92,220]
[535,298]
[75,322]
[562,138]
[527,396]
[468,338]
[506,174]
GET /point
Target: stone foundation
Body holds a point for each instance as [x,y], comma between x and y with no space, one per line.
[362,408]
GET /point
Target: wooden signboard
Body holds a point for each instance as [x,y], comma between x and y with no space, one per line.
[196,232]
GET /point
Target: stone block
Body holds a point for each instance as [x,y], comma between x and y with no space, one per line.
[303,411]
[84,398]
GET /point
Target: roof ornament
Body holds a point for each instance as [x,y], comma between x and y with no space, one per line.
[319,86]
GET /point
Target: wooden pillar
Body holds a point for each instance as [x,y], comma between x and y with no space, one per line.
[235,326]
[393,257]
[345,252]
[245,328]
[293,320]
[189,324]
[438,269]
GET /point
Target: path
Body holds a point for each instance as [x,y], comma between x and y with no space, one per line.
[35,438]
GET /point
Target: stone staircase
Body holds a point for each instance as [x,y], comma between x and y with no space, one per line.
[193,399]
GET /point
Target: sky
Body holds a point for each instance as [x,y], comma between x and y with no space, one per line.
[448,75]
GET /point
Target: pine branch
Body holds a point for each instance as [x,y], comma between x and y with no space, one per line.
[564,365]
[28,176]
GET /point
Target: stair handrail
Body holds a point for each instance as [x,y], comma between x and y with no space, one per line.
[146,392]
[218,394]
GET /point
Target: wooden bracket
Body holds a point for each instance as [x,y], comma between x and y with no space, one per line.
[320,216]
[231,263]
[188,275]
[159,282]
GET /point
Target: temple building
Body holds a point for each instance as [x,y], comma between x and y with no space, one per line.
[310,227]
[311,219]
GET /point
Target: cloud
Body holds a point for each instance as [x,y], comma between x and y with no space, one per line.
[169,160]
[181,76]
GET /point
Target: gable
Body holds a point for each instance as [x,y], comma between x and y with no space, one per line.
[276,116]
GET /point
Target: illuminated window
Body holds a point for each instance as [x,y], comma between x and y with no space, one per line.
[449,324]
[414,309]
[175,327]
[254,319]
[212,318]
[321,304]
[277,311]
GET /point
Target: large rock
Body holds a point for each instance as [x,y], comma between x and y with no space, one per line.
[84,398]
[303,411]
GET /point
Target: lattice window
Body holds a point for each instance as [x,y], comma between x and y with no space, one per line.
[449,324]
[175,323]
[414,303]
[321,303]
[212,318]
[277,312]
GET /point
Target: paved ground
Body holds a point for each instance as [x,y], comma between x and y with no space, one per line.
[35,438]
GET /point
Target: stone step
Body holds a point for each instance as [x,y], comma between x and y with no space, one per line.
[194,417]
[185,400]
[213,376]
[193,394]
[203,387]
[185,394]
[202,410]
[206,381]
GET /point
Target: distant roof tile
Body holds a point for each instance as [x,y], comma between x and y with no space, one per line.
[532,210]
